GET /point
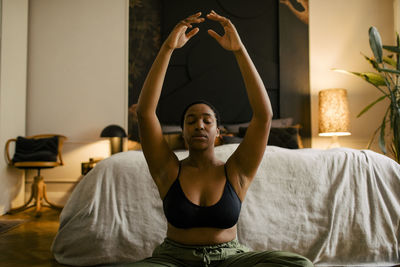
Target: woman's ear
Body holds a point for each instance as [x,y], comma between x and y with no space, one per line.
[218,132]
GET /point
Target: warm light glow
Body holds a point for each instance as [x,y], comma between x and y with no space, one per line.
[335,134]
[334,116]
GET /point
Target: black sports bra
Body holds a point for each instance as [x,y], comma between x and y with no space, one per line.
[182,213]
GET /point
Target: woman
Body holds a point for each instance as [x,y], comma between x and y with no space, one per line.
[202,195]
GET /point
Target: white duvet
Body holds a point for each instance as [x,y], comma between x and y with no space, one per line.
[338,207]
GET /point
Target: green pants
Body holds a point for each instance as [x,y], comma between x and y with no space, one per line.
[173,254]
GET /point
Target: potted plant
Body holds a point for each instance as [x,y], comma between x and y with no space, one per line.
[386,80]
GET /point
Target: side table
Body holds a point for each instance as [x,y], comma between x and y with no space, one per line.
[87,166]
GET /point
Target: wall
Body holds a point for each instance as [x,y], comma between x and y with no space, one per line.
[338,34]
[396,8]
[14,38]
[77,80]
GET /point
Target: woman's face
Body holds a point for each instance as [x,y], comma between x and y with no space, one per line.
[200,127]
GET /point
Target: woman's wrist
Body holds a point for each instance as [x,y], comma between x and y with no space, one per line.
[166,49]
[240,52]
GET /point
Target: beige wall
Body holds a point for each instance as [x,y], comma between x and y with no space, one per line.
[14,29]
[396,8]
[77,79]
[338,34]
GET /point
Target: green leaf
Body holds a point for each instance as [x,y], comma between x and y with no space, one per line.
[374,78]
[390,70]
[382,136]
[390,61]
[371,105]
[372,61]
[390,48]
[396,91]
[398,39]
[371,77]
[375,42]
[398,55]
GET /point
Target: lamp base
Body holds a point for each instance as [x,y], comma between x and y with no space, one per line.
[334,142]
[116,145]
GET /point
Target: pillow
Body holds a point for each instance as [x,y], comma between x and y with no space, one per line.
[219,140]
[277,123]
[234,128]
[134,145]
[168,129]
[174,140]
[286,137]
[281,123]
[41,149]
[231,139]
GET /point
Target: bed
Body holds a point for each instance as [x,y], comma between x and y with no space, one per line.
[338,207]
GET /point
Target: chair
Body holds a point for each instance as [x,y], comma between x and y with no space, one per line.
[36,152]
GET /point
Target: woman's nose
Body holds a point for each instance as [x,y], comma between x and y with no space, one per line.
[199,125]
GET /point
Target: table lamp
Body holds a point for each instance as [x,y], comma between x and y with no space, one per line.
[334,117]
[116,135]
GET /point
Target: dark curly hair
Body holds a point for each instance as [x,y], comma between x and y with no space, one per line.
[216,113]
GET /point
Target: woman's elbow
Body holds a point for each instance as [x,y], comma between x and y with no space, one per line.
[270,114]
[266,116]
[142,111]
[264,119]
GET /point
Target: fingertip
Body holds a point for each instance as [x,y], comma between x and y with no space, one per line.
[212,33]
[193,32]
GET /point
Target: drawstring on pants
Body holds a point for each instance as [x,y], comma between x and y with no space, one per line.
[206,257]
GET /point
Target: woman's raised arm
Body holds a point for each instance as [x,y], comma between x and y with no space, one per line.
[247,157]
[158,155]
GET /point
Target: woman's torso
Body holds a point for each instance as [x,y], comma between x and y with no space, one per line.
[202,205]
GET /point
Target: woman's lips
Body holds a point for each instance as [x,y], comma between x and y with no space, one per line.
[199,137]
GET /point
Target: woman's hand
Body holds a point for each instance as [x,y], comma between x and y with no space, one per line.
[178,37]
[231,39]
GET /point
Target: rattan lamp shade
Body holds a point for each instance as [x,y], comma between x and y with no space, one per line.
[334,117]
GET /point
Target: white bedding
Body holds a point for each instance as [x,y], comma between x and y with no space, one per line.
[338,207]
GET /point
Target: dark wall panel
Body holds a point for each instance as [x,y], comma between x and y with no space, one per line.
[275,34]
[204,70]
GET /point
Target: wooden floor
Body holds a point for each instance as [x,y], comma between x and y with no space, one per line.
[28,244]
